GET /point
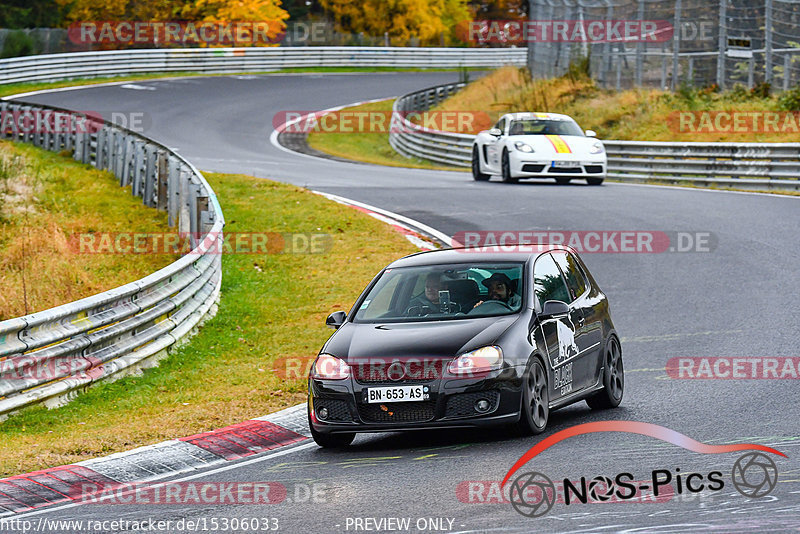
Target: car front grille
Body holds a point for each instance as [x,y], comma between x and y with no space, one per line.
[398,412]
[594,169]
[463,404]
[411,373]
[565,170]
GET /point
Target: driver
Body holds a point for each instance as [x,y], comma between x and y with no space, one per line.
[430,299]
[501,288]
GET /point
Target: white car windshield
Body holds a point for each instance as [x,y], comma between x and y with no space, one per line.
[443,292]
[544,127]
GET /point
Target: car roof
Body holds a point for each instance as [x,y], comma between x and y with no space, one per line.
[527,115]
[520,253]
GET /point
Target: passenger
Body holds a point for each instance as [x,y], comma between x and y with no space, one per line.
[501,288]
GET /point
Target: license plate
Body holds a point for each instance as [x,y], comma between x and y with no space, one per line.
[396,394]
[563,164]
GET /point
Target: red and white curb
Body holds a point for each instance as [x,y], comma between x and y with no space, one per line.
[67,484]
[421,235]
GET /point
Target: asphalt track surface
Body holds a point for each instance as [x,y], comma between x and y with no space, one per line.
[741,299]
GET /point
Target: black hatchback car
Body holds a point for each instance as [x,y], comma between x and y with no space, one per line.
[466,338]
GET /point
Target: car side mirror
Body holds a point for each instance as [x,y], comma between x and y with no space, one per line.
[552,308]
[591,133]
[336,319]
[497,132]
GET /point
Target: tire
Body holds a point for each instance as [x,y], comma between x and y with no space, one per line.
[613,379]
[331,441]
[561,180]
[477,175]
[506,169]
[535,400]
[594,181]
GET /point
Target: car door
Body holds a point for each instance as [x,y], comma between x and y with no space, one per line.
[557,331]
[494,146]
[586,320]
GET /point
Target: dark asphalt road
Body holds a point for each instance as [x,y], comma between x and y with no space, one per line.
[740,299]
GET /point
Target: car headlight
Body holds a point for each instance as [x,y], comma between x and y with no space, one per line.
[329,367]
[597,148]
[477,361]
[523,147]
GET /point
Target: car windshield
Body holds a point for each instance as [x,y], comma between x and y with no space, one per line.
[443,292]
[544,127]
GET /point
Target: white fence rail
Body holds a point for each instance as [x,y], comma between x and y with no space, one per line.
[221,60]
[51,355]
[744,165]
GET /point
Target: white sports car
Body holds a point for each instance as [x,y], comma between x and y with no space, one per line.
[538,145]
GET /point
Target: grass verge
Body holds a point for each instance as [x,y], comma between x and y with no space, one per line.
[368,147]
[273,307]
[45,199]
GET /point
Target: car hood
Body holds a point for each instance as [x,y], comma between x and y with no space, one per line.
[434,339]
[555,144]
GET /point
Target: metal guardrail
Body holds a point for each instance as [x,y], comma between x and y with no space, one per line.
[750,165]
[50,355]
[221,60]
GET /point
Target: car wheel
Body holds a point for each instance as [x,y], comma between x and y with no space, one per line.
[613,379]
[477,175]
[561,180]
[594,181]
[331,441]
[535,400]
[506,169]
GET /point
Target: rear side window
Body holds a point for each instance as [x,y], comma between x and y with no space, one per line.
[576,282]
[548,282]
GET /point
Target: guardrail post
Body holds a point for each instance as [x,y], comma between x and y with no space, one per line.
[128,160]
[99,148]
[162,175]
[148,197]
[43,123]
[173,191]
[184,213]
[4,118]
[138,169]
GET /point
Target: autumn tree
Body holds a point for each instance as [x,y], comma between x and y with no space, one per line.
[427,20]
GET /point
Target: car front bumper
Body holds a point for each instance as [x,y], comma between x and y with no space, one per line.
[527,165]
[451,404]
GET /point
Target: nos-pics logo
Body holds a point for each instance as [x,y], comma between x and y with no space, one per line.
[533,494]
